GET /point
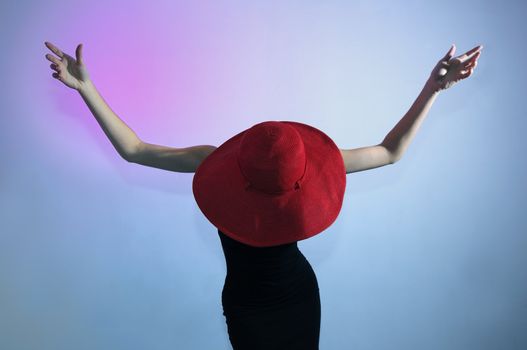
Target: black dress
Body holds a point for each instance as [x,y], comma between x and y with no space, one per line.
[270,297]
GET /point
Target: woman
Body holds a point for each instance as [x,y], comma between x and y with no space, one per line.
[265,189]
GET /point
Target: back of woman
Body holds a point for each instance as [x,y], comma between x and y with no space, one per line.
[270,298]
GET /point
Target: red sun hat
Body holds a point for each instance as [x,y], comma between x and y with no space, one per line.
[274,183]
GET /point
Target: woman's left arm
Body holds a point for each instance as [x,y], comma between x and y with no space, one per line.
[399,138]
[445,74]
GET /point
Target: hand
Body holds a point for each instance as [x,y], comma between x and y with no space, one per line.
[449,71]
[71,72]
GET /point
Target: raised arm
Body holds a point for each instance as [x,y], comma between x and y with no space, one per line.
[364,158]
[391,149]
[124,139]
[182,160]
[132,148]
[73,73]
[445,74]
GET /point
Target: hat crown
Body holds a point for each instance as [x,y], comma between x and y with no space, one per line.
[272,157]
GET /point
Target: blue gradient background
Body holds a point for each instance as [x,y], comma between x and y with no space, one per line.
[98,253]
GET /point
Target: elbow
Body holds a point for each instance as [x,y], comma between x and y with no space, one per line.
[131,155]
[128,157]
[394,156]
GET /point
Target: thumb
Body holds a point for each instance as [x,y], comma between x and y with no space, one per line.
[78,54]
[450,53]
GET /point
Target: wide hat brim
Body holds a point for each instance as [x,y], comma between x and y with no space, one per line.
[260,219]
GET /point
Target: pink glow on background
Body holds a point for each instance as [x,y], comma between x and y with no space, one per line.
[98,253]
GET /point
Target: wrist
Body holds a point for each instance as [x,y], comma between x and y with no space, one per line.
[431,87]
[85,86]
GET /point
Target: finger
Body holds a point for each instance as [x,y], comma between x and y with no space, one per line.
[473,59]
[56,76]
[470,64]
[52,58]
[78,54]
[470,53]
[55,49]
[466,73]
[55,67]
[449,54]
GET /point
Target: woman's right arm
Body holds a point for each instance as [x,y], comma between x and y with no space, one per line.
[125,140]
[133,149]
[181,160]
[74,74]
